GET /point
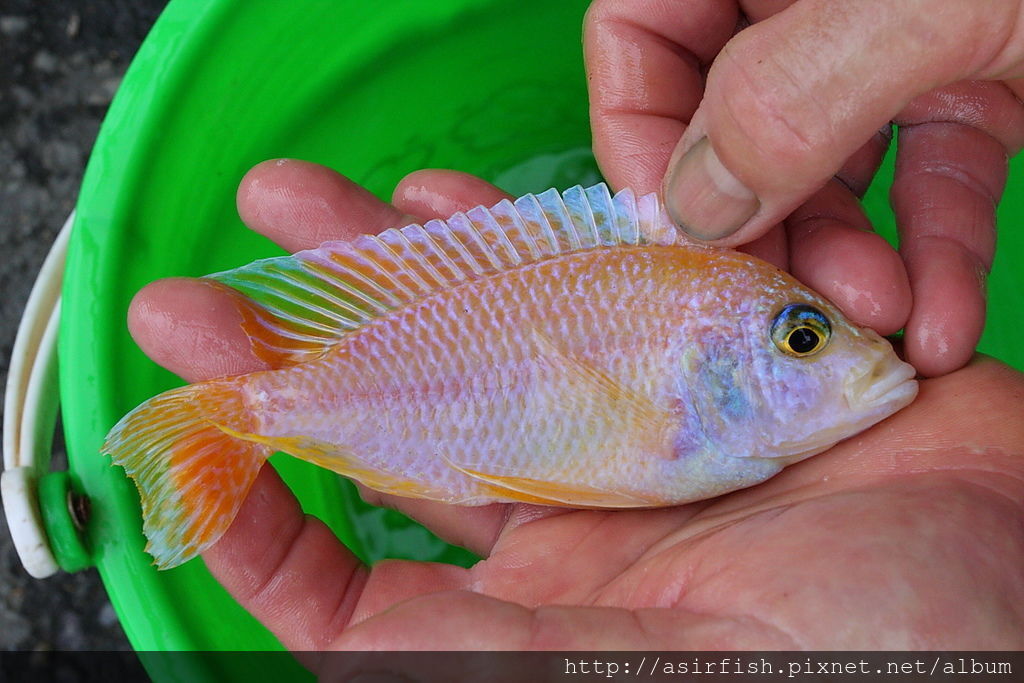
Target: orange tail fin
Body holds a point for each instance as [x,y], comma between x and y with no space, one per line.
[191,475]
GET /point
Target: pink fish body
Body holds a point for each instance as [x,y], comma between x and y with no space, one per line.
[563,350]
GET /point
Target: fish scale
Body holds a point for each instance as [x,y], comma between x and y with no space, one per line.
[559,349]
[420,372]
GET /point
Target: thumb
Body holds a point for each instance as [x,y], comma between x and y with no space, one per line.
[789,99]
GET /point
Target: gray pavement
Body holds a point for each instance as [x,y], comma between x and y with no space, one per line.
[60,64]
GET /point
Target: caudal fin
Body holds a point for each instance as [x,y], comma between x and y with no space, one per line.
[192,476]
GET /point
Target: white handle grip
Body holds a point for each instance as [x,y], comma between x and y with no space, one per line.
[30,411]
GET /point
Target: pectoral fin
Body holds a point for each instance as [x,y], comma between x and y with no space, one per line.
[650,419]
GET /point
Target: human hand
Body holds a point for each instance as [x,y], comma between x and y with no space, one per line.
[793,121]
[907,536]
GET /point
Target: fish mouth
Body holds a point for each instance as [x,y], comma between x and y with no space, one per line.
[890,384]
[872,396]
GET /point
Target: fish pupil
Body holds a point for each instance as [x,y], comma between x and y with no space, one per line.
[800,330]
[803,340]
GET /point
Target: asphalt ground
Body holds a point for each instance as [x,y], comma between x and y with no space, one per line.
[60,65]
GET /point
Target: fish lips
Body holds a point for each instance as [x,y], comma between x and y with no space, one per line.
[887,387]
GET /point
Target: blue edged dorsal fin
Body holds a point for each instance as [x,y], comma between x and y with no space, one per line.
[313,298]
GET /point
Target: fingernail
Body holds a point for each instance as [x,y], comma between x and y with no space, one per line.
[704,199]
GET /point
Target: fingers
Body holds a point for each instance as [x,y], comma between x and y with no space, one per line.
[812,265]
[833,250]
[286,569]
[859,170]
[300,205]
[293,575]
[950,173]
[192,328]
[771,247]
[790,98]
[948,182]
[991,107]
[644,73]
[436,193]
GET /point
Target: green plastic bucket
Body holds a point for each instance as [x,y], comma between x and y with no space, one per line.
[375,90]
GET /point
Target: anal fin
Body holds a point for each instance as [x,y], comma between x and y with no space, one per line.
[529,490]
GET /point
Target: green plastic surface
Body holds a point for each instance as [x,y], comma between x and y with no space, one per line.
[374,90]
[55,491]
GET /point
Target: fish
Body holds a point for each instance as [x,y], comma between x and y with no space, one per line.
[567,349]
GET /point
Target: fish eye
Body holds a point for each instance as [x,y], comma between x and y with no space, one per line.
[800,330]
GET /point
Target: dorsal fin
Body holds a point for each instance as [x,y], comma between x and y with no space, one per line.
[317,296]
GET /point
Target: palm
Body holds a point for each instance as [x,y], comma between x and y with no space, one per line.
[876,544]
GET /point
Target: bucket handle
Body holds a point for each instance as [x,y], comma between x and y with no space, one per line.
[30,412]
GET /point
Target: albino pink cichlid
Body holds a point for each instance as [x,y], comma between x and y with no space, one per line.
[562,349]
